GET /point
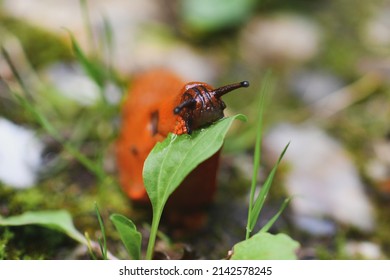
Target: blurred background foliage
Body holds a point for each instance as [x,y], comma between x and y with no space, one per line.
[330,68]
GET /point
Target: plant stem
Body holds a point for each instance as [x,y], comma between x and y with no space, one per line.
[153,232]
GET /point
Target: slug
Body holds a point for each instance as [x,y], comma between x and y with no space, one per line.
[156,105]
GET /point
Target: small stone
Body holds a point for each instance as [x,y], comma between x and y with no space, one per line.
[20,155]
[72,82]
[378,168]
[284,38]
[375,33]
[366,250]
[311,86]
[315,226]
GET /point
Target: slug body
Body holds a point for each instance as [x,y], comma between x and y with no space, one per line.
[156,105]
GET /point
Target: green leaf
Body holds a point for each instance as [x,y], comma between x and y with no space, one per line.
[265,246]
[212,15]
[259,202]
[172,160]
[129,235]
[59,220]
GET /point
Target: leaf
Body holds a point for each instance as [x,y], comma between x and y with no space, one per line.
[266,246]
[59,220]
[212,15]
[259,202]
[172,160]
[129,235]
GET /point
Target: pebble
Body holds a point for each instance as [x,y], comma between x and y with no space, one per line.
[20,155]
[322,179]
[281,37]
[363,249]
[378,167]
[375,33]
[313,85]
[71,81]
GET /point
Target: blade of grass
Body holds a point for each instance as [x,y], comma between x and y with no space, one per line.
[91,252]
[14,71]
[91,68]
[258,205]
[257,154]
[270,223]
[102,243]
[108,43]
[87,22]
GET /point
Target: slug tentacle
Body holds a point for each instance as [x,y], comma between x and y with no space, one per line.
[228,88]
[188,103]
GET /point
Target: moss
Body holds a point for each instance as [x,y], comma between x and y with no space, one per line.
[42,47]
[34,243]
[5,236]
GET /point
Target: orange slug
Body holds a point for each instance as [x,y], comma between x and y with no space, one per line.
[157,104]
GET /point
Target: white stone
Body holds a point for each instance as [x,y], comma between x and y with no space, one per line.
[375,32]
[20,155]
[72,82]
[284,37]
[364,249]
[311,86]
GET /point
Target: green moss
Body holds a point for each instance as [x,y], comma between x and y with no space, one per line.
[36,243]
[42,47]
[5,236]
